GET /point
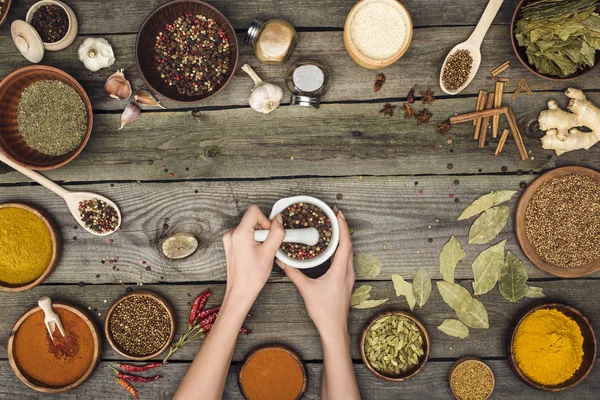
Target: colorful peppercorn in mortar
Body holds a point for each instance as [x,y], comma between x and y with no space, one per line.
[193,55]
[304,215]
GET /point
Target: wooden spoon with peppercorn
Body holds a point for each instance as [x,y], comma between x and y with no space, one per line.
[462,63]
[96,214]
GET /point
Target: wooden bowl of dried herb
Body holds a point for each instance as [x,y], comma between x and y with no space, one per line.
[4,9]
[558,62]
[395,332]
[45,117]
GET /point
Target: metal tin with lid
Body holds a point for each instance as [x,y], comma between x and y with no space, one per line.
[308,81]
[273,40]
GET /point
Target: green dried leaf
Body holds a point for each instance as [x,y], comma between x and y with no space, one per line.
[367,265]
[360,294]
[487,267]
[450,256]
[455,328]
[534,292]
[488,225]
[513,279]
[405,289]
[469,310]
[370,303]
[421,286]
[486,202]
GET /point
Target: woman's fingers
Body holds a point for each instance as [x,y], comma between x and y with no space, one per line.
[276,235]
[253,218]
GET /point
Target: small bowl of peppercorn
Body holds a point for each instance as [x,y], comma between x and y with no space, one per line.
[55,22]
[187,51]
[4,7]
[307,212]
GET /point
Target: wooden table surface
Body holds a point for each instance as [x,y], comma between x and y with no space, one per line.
[393,180]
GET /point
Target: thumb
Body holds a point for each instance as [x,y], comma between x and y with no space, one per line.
[276,235]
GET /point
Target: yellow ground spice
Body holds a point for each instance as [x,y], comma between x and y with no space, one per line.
[548,347]
[25,246]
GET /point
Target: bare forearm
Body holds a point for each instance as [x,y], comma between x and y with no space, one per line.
[339,381]
[205,379]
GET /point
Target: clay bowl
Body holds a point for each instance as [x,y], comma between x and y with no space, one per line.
[123,352]
[360,58]
[461,361]
[278,347]
[5,10]
[12,143]
[38,386]
[590,346]
[155,23]
[521,233]
[56,244]
[424,358]
[522,56]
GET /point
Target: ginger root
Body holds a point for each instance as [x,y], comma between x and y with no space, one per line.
[562,134]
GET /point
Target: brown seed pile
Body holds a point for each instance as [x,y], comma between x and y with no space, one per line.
[457,69]
[140,325]
[303,215]
[472,380]
[562,221]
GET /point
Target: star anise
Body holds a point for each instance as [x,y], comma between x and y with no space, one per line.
[423,117]
[411,95]
[388,110]
[409,112]
[427,97]
[444,127]
[379,81]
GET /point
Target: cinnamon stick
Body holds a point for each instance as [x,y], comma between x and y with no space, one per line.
[480,102]
[526,86]
[497,103]
[486,121]
[462,118]
[498,79]
[500,69]
[514,127]
[501,142]
[519,88]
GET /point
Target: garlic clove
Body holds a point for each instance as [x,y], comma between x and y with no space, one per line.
[130,114]
[147,98]
[117,86]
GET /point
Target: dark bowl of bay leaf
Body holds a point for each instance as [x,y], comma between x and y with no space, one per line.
[556,39]
[12,142]
[395,346]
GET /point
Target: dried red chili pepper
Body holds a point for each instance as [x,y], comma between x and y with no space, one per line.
[245,331]
[203,314]
[129,387]
[208,320]
[135,378]
[198,305]
[139,368]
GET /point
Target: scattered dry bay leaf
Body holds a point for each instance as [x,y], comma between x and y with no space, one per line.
[487,267]
[450,256]
[513,279]
[367,265]
[488,225]
[469,310]
[360,294]
[534,292]
[455,328]
[421,286]
[485,202]
[370,303]
[405,289]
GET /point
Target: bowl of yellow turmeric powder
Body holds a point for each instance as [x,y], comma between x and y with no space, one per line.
[553,347]
[30,246]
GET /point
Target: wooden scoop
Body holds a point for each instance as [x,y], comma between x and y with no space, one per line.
[51,319]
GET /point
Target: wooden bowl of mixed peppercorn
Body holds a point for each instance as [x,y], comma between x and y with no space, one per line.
[45,117]
[4,8]
[187,51]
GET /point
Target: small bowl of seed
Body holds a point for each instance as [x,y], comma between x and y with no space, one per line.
[471,379]
[395,346]
[140,325]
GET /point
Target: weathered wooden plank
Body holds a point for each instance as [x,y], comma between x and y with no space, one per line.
[126,17]
[420,66]
[280,315]
[431,383]
[338,139]
[391,219]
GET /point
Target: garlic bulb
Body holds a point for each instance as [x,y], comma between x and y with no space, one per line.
[96,53]
[265,97]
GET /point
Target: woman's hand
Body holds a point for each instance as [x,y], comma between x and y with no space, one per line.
[249,263]
[327,298]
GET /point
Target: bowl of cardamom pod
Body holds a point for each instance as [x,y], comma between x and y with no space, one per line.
[395,346]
